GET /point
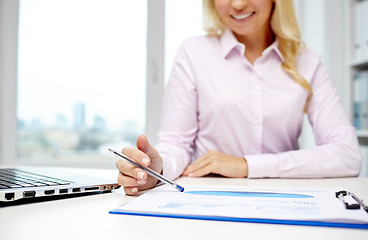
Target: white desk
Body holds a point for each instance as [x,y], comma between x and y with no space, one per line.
[87,217]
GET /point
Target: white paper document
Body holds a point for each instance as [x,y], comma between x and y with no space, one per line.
[237,203]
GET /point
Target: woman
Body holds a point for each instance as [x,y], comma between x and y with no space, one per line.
[235,102]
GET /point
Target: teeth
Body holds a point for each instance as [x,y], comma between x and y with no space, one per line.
[243,16]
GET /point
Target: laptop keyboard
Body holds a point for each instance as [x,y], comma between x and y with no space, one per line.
[15,178]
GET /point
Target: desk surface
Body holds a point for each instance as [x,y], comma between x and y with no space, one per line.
[87,217]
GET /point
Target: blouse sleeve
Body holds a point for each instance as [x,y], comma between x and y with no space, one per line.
[337,150]
[179,117]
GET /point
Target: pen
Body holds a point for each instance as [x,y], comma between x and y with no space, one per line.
[149,171]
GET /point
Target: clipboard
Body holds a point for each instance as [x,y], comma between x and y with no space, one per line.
[162,202]
[247,220]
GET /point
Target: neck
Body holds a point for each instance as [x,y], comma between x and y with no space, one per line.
[256,43]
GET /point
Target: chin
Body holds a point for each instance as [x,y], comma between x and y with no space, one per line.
[242,32]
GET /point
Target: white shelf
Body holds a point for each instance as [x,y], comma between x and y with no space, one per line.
[359,63]
[354,65]
[362,133]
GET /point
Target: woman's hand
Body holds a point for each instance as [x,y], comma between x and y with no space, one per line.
[133,178]
[218,163]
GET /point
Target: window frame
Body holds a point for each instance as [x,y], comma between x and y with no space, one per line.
[8,79]
[9,15]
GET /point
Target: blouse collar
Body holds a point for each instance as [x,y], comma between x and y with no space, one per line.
[230,44]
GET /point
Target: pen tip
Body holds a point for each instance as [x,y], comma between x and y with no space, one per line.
[180,188]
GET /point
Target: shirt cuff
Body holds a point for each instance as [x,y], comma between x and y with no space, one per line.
[168,168]
[171,169]
[263,166]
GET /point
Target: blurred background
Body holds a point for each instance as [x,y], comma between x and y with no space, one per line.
[79,76]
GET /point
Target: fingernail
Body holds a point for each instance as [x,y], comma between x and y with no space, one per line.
[141,182]
[190,174]
[140,175]
[134,190]
[145,161]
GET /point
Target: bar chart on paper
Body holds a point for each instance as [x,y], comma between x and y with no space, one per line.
[316,207]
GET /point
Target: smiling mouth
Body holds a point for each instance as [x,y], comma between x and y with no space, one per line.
[242,16]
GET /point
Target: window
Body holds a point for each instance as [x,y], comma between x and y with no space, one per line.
[81,81]
[81,77]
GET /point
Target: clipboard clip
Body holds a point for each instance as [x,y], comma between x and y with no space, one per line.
[350,200]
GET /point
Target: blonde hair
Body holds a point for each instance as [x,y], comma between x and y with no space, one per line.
[284,25]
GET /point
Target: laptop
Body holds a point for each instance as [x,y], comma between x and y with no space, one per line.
[29,182]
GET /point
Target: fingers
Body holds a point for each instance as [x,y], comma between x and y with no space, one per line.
[128,170]
[131,185]
[136,155]
[200,163]
[129,181]
[131,190]
[133,178]
[218,163]
[155,158]
[202,171]
[144,145]
[202,166]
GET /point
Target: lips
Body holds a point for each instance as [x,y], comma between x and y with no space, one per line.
[242,16]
